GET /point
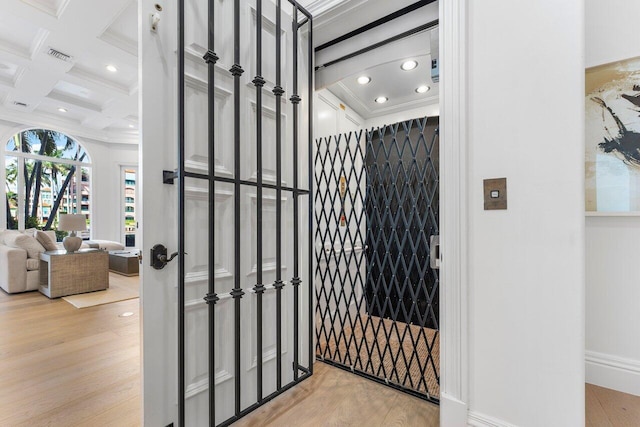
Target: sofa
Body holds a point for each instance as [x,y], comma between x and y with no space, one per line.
[20,258]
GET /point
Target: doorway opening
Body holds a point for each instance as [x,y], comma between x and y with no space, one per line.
[377,201]
[377,224]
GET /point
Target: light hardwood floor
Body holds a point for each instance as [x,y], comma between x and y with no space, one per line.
[61,366]
[333,397]
[609,408]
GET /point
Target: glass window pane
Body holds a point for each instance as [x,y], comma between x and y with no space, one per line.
[130,207]
[47,185]
[48,143]
[85,200]
[32,179]
[11,186]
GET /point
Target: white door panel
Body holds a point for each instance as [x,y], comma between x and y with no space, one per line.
[159,152]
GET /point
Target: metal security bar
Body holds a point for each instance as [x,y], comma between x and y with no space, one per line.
[376,208]
[211,178]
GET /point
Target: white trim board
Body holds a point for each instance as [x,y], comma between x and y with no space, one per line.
[481,420]
[616,373]
[454,359]
[453,412]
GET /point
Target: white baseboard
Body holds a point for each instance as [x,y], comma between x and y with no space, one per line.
[616,373]
[480,420]
[453,412]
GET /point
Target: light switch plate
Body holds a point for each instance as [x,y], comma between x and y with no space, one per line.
[495,194]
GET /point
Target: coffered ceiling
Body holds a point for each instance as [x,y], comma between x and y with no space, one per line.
[92,92]
[78,93]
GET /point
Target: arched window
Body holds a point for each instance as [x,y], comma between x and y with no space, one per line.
[47,173]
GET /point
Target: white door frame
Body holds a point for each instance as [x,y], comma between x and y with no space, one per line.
[454,363]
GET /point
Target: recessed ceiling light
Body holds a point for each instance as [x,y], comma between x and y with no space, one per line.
[111,68]
[423,89]
[381,99]
[131,126]
[409,65]
[62,110]
[126,314]
[363,80]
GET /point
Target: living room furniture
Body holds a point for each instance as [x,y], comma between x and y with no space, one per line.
[124,262]
[63,273]
[20,265]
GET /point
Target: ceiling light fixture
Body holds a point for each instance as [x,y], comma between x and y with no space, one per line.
[423,89]
[363,80]
[409,65]
[62,110]
[111,68]
[381,99]
[131,126]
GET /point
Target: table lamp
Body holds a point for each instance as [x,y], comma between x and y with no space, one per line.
[72,223]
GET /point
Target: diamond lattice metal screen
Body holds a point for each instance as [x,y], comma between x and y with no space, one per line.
[376,207]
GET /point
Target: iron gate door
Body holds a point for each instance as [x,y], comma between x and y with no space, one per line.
[244,251]
[377,208]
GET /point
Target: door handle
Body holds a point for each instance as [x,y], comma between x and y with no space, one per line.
[434,252]
[159,257]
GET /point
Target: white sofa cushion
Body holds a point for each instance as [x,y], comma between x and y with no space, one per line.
[5,233]
[106,245]
[33,264]
[28,243]
[30,231]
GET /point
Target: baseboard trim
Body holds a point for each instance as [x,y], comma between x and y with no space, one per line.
[481,420]
[453,412]
[616,373]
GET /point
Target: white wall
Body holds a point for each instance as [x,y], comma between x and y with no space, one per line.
[526,264]
[331,118]
[106,159]
[612,243]
[106,203]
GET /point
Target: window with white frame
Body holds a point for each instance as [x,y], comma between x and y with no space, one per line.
[47,173]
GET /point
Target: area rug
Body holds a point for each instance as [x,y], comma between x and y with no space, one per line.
[120,288]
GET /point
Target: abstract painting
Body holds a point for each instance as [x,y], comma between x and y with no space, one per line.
[612,167]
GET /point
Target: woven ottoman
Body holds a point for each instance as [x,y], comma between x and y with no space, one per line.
[124,262]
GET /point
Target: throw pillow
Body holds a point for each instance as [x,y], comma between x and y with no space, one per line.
[30,231]
[5,233]
[52,235]
[28,243]
[45,241]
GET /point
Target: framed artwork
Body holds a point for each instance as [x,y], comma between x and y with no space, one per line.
[612,118]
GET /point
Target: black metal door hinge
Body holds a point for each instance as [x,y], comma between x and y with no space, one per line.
[169,176]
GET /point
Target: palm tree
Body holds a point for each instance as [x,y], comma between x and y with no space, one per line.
[79,156]
[49,141]
[12,200]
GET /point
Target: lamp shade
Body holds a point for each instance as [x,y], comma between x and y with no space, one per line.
[72,222]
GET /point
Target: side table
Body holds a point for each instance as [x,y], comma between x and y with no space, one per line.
[63,273]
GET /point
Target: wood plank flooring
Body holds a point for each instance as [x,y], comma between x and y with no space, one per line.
[61,366]
[610,408]
[333,397]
